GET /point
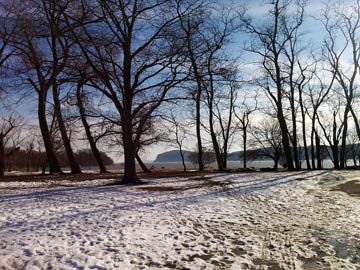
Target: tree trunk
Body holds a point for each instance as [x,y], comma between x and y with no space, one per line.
[219,158]
[210,101]
[355,117]
[198,79]
[66,141]
[318,150]
[281,117]
[279,107]
[10,165]
[343,140]
[27,165]
[182,158]
[91,140]
[216,147]
[244,149]
[306,150]
[2,155]
[142,164]
[198,133]
[285,140]
[276,162]
[130,176]
[312,152]
[312,142]
[303,125]
[52,160]
[335,150]
[129,146]
[296,154]
[226,145]
[294,134]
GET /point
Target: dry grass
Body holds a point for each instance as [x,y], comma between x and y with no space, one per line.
[19,176]
[203,181]
[352,188]
[61,177]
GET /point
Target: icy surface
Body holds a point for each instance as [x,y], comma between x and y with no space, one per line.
[215,221]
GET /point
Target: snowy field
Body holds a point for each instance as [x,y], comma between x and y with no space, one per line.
[218,221]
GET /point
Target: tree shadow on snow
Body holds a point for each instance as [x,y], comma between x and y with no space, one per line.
[117,200]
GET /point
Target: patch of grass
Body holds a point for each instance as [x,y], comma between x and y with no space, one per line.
[271,265]
[205,183]
[352,188]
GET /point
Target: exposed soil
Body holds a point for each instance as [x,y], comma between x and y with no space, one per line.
[352,188]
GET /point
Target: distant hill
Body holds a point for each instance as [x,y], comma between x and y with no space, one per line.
[172,156]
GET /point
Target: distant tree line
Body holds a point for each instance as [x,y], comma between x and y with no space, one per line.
[30,160]
[128,74]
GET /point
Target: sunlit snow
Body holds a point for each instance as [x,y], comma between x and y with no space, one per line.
[216,221]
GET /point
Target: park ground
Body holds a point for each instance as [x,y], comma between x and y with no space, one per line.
[249,220]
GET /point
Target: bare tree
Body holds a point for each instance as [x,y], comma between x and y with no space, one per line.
[318,92]
[242,113]
[207,31]
[80,96]
[13,146]
[219,82]
[332,126]
[221,96]
[75,168]
[192,25]
[85,157]
[273,43]
[307,72]
[267,138]
[153,133]
[208,157]
[7,31]
[179,130]
[321,151]
[353,146]
[135,59]
[342,25]
[34,147]
[295,77]
[10,126]
[30,153]
[42,54]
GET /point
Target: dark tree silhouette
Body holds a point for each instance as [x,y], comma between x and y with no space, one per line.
[9,127]
[134,58]
[273,41]
[267,138]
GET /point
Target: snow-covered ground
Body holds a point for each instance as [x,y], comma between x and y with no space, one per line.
[218,221]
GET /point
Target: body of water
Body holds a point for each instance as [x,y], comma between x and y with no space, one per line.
[231,165]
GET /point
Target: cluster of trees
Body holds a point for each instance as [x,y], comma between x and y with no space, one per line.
[31,160]
[129,73]
[301,84]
